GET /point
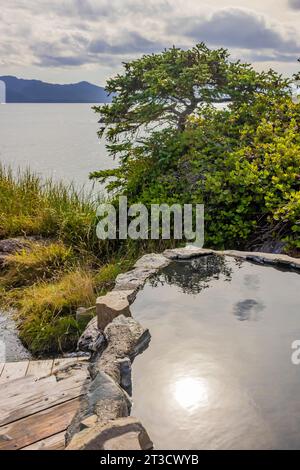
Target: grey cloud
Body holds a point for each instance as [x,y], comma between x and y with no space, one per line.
[129,43]
[92,10]
[275,57]
[45,60]
[236,28]
[80,52]
[295,4]
[83,9]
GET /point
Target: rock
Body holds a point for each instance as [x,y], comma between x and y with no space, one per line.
[112,305]
[125,374]
[105,399]
[187,253]
[267,258]
[126,338]
[12,245]
[120,434]
[92,339]
[83,314]
[134,279]
[152,261]
[89,422]
[77,354]
[144,268]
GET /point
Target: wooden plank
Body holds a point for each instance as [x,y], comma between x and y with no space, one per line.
[18,387]
[13,370]
[40,397]
[56,442]
[40,369]
[59,364]
[39,426]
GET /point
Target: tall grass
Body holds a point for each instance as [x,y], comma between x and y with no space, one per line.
[32,206]
[46,313]
[36,262]
[66,267]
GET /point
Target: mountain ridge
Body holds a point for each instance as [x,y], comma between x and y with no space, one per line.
[20,90]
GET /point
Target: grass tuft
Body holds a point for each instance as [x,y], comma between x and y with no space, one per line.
[46,311]
[33,207]
[37,262]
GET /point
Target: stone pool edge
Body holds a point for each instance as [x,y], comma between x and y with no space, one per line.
[114,339]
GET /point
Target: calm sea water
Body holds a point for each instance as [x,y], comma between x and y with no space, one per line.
[218,372]
[58,140]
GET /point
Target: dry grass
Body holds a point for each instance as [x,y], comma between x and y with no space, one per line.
[37,262]
[46,311]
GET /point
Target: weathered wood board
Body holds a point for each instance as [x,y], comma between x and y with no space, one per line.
[38,400]
[38,426]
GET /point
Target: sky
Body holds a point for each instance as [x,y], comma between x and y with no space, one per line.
[66,41]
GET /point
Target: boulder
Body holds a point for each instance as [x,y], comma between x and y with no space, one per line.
[112,305]
[104,399]
[120,434]
[126,338]
[92,339]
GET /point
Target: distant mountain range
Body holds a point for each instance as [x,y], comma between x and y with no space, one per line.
[19,90]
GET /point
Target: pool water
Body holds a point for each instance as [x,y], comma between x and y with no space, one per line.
[218,373]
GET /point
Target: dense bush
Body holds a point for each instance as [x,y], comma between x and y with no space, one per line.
[242,161]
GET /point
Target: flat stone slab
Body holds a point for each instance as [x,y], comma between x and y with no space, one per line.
[152,261]
[134,279]
[268,258]
[120,434]
[186,253]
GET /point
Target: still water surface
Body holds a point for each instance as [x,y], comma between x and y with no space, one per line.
[218,371]
[58,140]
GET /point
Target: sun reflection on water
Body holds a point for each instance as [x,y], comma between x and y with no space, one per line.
[191,392]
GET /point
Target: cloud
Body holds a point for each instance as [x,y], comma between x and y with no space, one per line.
[295,4]
[128,43]
[273,57]
[90,35]
[236,28]
[92,10]
[70,33]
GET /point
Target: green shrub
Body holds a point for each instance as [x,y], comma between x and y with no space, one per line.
[242,162]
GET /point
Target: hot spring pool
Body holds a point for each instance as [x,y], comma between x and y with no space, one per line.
[218,372]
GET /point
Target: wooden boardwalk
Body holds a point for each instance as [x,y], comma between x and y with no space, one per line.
[38,400]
